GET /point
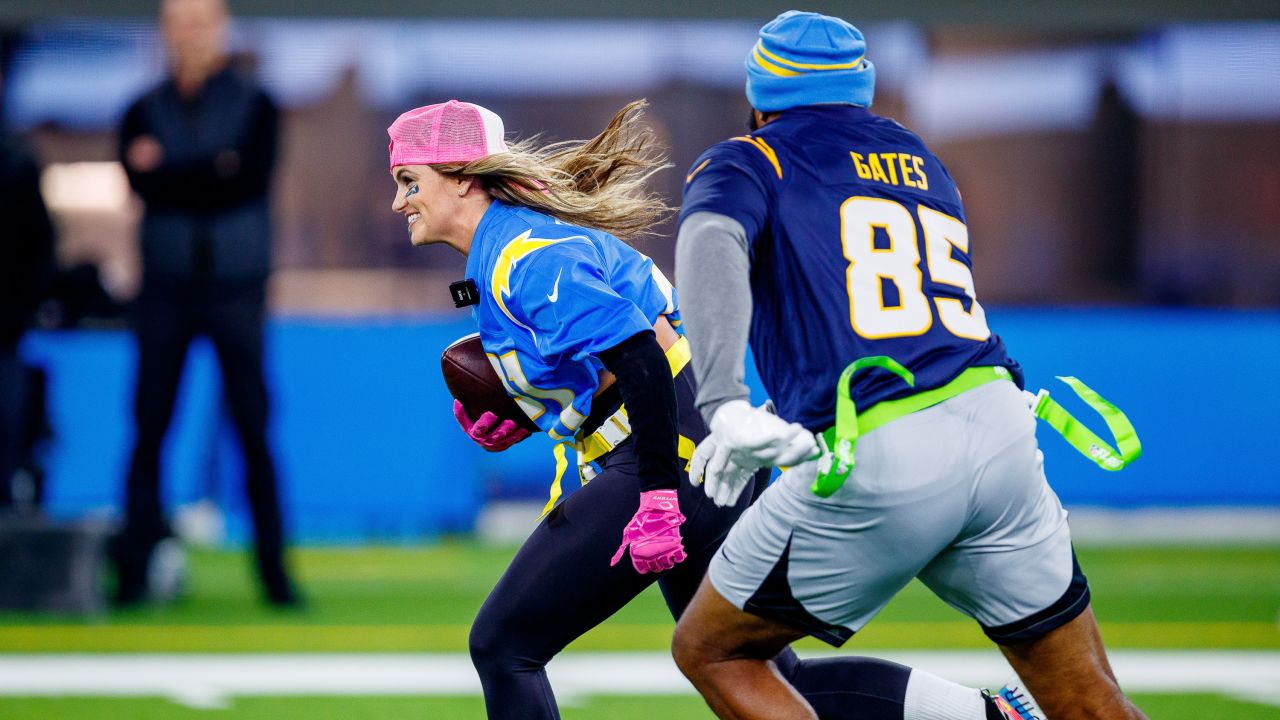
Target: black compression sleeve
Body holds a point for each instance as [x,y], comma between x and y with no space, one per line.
[649,394]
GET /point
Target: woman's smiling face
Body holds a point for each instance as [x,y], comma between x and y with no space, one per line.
[427,200]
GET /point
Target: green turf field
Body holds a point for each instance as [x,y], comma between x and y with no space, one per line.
[1157,707]
[422,599]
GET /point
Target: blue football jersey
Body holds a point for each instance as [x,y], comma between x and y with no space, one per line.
[552,297]
[858,247]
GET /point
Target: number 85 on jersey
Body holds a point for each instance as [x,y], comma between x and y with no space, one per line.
[900,263]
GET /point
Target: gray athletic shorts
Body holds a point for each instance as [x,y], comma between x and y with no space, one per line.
[954,494]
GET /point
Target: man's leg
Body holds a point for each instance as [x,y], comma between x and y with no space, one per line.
[798,563]
[1068,674]
[234,323]
[1014,570]
[163,332]
[742,667]
[727,655]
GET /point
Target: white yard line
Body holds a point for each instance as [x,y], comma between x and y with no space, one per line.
[209,681]
[509,522]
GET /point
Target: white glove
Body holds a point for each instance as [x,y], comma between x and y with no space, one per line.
[744,439]
[724,478]
[757,438]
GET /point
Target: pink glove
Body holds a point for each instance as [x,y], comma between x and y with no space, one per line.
[654,533]
[484,432]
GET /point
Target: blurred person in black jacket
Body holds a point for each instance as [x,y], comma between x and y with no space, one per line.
[199,149]
[26,269]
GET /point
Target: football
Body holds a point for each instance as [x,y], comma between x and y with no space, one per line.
[471,379]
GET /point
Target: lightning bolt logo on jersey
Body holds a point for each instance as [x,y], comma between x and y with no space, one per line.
[552,297]
[859,248]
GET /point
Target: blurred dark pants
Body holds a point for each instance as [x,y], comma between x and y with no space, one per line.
[167,318]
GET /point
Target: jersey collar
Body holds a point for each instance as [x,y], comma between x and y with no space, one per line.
[483,239]
[845,113]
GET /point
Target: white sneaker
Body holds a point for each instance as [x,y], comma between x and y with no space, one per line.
[1016,703]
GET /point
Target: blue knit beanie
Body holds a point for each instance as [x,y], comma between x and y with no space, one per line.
[804,58]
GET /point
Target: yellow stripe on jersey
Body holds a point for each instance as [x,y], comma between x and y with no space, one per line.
[764,148]
[689,178]
[761,50]
[513,252]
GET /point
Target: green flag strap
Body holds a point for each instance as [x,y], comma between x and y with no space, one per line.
[836,465]
[1084,439]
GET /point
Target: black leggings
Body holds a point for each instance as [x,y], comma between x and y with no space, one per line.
[560,585]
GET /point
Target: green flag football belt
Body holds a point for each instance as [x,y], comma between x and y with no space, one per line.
[842,438]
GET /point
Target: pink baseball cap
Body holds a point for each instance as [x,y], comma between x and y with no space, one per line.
[445,133]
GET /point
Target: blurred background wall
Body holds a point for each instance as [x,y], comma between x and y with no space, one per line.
[1120,168]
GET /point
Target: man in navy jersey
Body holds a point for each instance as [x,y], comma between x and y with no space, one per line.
[836,242]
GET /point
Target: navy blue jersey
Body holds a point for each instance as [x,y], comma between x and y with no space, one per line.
[858,248]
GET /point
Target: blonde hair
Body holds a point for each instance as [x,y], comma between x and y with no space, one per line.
[597,183]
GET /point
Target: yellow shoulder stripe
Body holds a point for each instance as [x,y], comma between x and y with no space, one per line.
[764,148]
[689,178]
[512,253]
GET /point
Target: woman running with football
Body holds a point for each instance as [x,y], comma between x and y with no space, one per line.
[581,328]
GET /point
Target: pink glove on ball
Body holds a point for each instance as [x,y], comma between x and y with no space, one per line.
[487,431]
[654,533]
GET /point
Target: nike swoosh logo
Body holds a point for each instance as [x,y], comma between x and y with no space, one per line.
[555,289]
